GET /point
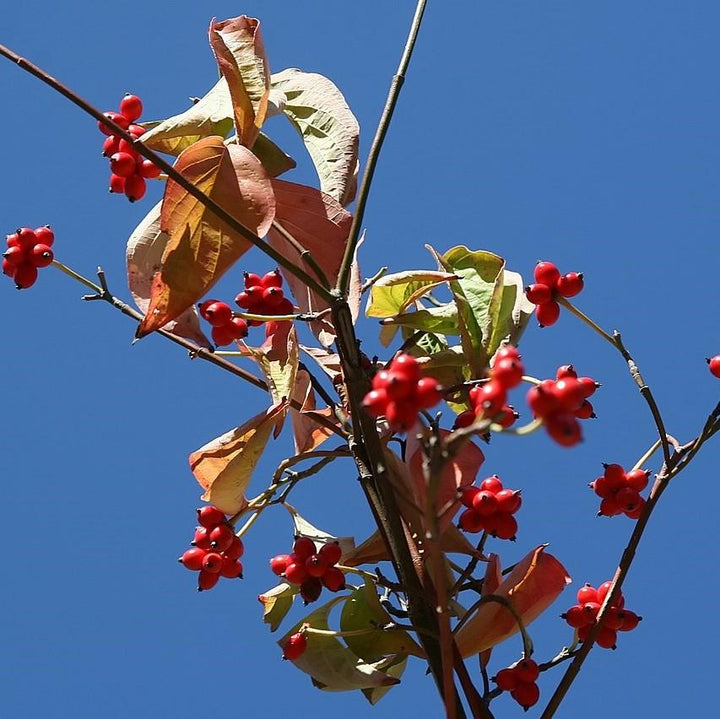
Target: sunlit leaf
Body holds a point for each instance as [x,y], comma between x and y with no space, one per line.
[144,252]
[224,466]
[240,54]
[532,586]
[278,359]
[277,602]
[395,668]
[320,225]
[393,294]
[319,112]
[513,312]
[201,247]
[442,320]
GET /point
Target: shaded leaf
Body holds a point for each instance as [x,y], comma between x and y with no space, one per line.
[319,112]
[224,466]
[240,54]
[321,226]
[332,666]
[277,602]
[144,252]
[201,247]
[395,669]
[307,433]
[442,320]
[532,586]
[274,160]
[363,611]
[514,312]
[329,362]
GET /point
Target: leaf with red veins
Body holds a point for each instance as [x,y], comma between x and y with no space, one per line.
[320,225]
[240,54]
[201,247]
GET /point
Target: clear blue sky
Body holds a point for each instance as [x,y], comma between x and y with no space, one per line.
[583,133]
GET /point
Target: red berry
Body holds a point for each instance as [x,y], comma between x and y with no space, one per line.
[546,273]
[570,284]
[606,638]
[637,479]
[602,592]
[589,386]
[492,484]
[221,537]
[630,620]
[316,565]
[279,564]
[485,503]
[111,146]
[547,314]
[131,107]
[210,516]
[628,499]
[272,297]
[506,679]
[7,268]
[223,335]
[201,538]
[117,184]
[122,164]
[504,526]
[401,415]
[120,120]
[601,488]
[615,476]
[636,511]
[217,313]
[193,558]
[609,507]
[464,419]
[526,695]
[231,568]
[136,130]
[148,169]
[508,372]
[468,494]
[12,240]
[564,429]
[272,279]
[295,571]
[575,616]
[44,235]
[238,327]
[207,580]
[334,579]
[488,398]
[406,365]
[542,400]
[376,401]
[397,386]
[538,293]
[41,256]
[565,371]
[331,552]
[569,393]
[135,188]
[212,562]
[25,276]
[26,238]
[587,593]
[508,500]
[507,351]
[714,365]
[507,416]
[294,647]
[427,392]
[252,280]
[311,589]
[527,671]
[236,549]
[15,256]
[303,548]
[585,410]
[471,521]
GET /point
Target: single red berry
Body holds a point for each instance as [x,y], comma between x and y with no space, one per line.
[464,419]
[606,638]
[564,429]
[41,256]
[207,580]
[471,521]
[570,284]
[637,479]
[492,484]
[15,256]
[221,537]
[13,240]
[135,188]
[136,130]
[295,572]
[231,568]
[148,169]
[507,416]
[311,589]
[397,385]
[117,184]
[542,400]
[217,313]
[714,365]
[127,147]
[334,579]
[7,268]
[630,620]
[569,393]
[427,392]
[546,273]
[527,671]
[565,371]
[538,293]
[111,146]
[609,507]
[575,616]
[401,415]
[252,280]
[547,314]
[468,494]
[507,351]
[587,593]
[201,538]
[602,592]
[223,335]
[331,552]
[506,679]
[628,499]
[585,410]
[508,372]
[294,647]
[44,235]
[406,365]
[601,488]
[504,526]
[488,398]
[238,327]
[236,549]
[26,238]
[637,510]
[131,107]
[613,618]
[122,164]
[193,559]
[316,565]
[119,119]
[485,503]
[212,562]
[526,695]
[272,298]
[210,516]
[271,279]
[279,564]
[303,548]
[589,386]
[376,401]
[508,500]
[25,276]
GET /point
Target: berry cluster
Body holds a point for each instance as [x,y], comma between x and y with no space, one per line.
[520,680]
[295,646]
[399,392]
[582,616]
[128,168]
[216,550]
[490,508]
[226,327]
[26,251]
[264,296]
[714,365]
[549,285]
[311,568]
[561,402]
[620,491]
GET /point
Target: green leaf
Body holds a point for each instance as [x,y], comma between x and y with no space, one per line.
[395,668]
[393,294]
[277,603]
[363,610]
[514,312]
[439,320]
[319,112]
[332,666]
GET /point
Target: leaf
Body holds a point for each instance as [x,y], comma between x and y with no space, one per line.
[394,669]
[201,247]
[363,611]
[211,115]
[278,359]
[329,362]
[319,112]
[321,226]
[240,54]
[532,586]
[514,312]
[224,466]
[303,528]
[277,602]
[144,251]
[307,433]
[330,663]
[393,294]
[274,160]
[437,320]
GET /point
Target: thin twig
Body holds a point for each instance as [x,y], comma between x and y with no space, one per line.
[305,254]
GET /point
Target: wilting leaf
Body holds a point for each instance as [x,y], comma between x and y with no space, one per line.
[307,433]
[278,359]
[532,586]
[318,111]
[224,466]
[363,611]
[395,668]
[211,115]
[144,252]
[460,471]
[330,663]
[321,226]
[201,247]
[277,602]
[240,54]
[329,362]
[393,294]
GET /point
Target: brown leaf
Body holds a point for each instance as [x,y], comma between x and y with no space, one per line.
[240,54]
[201,247]
[321,226]
[308,434]
[224,466]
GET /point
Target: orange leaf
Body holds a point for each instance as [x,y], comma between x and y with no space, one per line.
[308,434]
[224,466]
[240,54]
[201,247]
[321,226]
[532,586]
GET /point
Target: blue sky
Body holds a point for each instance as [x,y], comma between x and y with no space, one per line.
[582,133]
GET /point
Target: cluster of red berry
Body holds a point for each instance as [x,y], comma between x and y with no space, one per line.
[295,646]
[620,491]
[128,168]
[399,392]
[216,550]
[26,251]
[520,680]
[311,568]
[490,508]
[561,402]
[714,365]
[549,285]
[226,327]
[264,296]
[582,616]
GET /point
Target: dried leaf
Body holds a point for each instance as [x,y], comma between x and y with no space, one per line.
[319,112]
[277,602]
[321,226]
[532,586]
[278,359]
[329,362]
[224,466]
[202,248]
[240,54]
[144,252]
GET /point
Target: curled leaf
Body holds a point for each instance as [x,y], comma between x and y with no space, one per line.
[277,602]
